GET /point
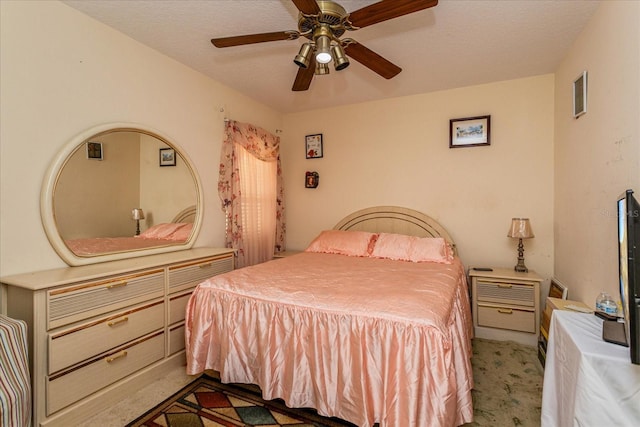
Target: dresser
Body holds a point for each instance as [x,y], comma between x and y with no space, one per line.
[506,305]
[99,332]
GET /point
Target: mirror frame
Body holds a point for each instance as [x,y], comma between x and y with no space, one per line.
[47,212]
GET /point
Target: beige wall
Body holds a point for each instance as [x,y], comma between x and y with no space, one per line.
[396,152]
[62,73]
[57,63]
[597,156]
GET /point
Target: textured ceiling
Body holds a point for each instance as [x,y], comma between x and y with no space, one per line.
[457,43]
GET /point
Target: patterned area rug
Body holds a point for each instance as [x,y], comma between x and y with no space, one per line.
[508,392]
[208,402]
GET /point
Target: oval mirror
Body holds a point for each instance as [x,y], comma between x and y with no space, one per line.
[120,191]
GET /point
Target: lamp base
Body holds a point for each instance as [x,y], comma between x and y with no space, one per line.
[520,267]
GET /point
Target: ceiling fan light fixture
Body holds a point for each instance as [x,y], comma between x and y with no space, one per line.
[321,69]
[323,46]
[304,55]
[340,61]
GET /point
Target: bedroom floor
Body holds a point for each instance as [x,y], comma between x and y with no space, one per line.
[507,375]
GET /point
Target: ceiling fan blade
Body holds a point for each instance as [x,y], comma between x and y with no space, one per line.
[304,76]
[254,38]
[372,60]
[389,9]
[308,7]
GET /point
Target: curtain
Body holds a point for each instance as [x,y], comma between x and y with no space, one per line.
[252,194]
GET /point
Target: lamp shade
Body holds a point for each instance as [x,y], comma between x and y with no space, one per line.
[520,229]
[137,214]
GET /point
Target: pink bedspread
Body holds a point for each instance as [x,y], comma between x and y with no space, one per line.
[102,245]
[363,339]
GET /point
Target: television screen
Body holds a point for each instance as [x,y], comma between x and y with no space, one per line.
[629,269]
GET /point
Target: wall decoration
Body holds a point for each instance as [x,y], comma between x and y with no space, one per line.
[557,289]
[313,145]
[167,157]
[580,95]
[312,179]
[469,131]
[94,150]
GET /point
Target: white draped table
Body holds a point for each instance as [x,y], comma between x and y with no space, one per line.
[587,381]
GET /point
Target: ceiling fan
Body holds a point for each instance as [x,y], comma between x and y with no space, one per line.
[323,22]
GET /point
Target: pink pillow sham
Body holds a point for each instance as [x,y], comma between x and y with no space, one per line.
[182,233]
[351,243]
[412,248]
[163,231]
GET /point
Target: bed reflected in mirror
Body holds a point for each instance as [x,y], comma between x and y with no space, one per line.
[93,195]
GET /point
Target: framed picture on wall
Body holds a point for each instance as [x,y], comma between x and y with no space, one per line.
[313,146]
[94,150]
[580,95]
[167,157]
[470,131]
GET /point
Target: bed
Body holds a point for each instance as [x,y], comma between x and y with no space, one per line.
[176,232]
[371,324]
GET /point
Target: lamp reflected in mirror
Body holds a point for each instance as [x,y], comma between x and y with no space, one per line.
[137,214]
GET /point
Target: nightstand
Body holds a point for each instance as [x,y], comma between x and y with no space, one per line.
[506,305]
[550,305]
[285,254]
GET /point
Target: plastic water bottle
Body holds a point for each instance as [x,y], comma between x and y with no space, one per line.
[606,304]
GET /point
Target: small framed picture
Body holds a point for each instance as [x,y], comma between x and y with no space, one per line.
[313,146]
[580,95]
[94,150]
[470,131]
[167,157]
[557,289]
[311,179]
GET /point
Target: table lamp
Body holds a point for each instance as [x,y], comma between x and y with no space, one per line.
[137,214]
[520,229]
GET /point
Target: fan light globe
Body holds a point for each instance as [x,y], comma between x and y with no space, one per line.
[323,57]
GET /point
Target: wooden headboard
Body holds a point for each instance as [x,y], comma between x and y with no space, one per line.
[394,219]
[186,215]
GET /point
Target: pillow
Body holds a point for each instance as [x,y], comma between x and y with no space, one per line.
[182,233]
[431,249]
[161,231]
[351,243]
[412,248]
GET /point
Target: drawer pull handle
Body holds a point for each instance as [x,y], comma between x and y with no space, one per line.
[207,265]
[505,286]
[505,311]
[117,285]
[120,320]
[117,356]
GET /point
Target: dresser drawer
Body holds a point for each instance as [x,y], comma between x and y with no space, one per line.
[188,275]
[93,298]
[82,342]
[506,293]
[178,306]
[506,318]
[176,338]
[70,386]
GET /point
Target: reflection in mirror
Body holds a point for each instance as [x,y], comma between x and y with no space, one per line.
[97,183]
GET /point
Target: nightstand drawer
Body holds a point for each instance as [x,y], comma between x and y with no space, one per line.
[506,318]
[506,293]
